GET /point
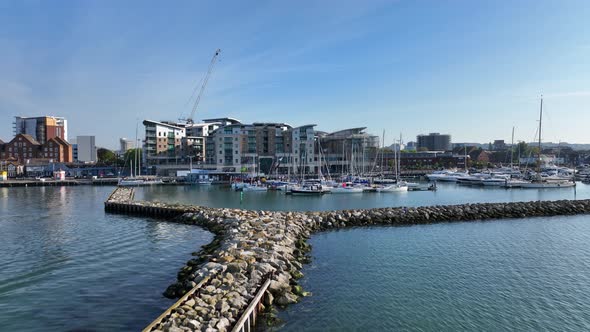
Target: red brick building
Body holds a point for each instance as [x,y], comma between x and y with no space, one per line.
[24,147]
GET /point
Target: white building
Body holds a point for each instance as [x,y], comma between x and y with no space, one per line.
[86,149]
[125,144]
[163,143]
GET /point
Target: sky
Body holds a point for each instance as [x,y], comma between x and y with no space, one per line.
[472,69]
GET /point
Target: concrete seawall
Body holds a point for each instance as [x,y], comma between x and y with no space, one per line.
[251,245]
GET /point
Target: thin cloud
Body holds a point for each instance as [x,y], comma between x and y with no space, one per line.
[568,94]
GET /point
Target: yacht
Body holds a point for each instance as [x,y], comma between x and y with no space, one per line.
[254,187]
[549,184]
[475,179]
[136,181]
[496,180]
[309,189]
[555,179]
[396,187]
[347,188]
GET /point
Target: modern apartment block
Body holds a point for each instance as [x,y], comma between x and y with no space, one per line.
[163,143]
[349,151]
[42,128]
[262,148]
[434,142]
[168,143]
[227,145]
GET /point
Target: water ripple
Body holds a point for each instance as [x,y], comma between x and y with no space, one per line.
[530,275]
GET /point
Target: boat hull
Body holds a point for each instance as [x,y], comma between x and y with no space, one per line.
[546,185]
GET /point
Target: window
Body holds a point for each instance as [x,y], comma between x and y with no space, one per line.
[236,161]
[221,161]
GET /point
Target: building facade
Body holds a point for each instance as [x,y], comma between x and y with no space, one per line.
[24,148]
[348,151]
[163,143]
[42,128]
[86,149]
[433,142]
[262,148]
[125,144]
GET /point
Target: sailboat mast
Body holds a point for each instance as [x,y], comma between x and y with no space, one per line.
[136,145]
[512,150]
[382,152]
[395,160]
[540,123]
[400,154]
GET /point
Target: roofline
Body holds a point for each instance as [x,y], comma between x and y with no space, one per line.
[307,125]
[160,123]
[217,120]
[348,129]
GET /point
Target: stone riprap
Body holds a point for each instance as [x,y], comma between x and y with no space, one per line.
[251,245]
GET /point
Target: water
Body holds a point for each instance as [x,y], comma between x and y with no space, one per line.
[525,275]
[219,196]
[67,265]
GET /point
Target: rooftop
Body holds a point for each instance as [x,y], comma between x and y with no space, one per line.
[146,122]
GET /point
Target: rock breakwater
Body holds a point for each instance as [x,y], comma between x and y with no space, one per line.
[250,246]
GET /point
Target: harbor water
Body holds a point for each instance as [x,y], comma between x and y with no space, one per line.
[447,193]
[525,275]
[65,264]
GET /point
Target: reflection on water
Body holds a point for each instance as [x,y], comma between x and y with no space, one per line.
[223,196]
[66,265]
[525,275]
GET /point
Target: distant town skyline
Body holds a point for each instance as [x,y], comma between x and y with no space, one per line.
[469,69]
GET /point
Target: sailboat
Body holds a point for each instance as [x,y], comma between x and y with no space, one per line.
[137,180]
[538,181]
[398,186]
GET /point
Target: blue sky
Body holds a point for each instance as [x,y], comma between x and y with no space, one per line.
[473,69]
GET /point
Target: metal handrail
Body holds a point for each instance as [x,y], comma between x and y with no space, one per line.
[179,302]
[243,324]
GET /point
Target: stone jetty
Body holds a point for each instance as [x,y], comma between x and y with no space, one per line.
[250,246]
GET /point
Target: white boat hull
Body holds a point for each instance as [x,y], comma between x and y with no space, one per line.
[255,189]
[494,183]
[346,190]
[392,189]
[544,185]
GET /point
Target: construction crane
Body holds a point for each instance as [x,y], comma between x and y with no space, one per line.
[189,120]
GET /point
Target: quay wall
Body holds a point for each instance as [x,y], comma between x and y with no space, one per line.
[252,246]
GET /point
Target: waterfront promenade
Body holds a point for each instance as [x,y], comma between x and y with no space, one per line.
[250,246]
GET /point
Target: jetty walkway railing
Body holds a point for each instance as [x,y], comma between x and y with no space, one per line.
[178,303]
[248,318]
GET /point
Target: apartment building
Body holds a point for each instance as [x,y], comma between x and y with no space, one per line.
[41,128]
[163,143]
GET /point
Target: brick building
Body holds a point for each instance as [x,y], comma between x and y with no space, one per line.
[24,147]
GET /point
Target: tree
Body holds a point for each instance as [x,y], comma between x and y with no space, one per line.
[130,155]
[106,156]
